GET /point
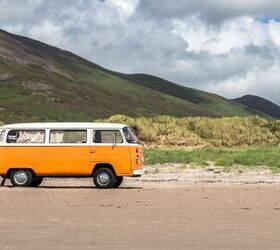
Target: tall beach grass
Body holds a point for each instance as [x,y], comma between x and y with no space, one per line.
[169,131]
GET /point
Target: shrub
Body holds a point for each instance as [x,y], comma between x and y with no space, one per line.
[201,131]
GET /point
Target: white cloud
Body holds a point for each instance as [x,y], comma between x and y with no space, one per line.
[238,57]
[18,9]
[235,33]
[215,45]
[274,31]
[126,8]
[47,32]
[242,5]
[264,83]
[214,11]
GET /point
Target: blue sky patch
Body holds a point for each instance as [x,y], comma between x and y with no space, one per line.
[267,19]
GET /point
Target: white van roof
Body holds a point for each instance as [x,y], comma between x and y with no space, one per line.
[64,125]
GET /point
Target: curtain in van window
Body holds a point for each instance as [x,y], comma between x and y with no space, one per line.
[31,137]
[56,136]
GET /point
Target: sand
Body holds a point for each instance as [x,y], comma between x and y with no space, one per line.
[169,208]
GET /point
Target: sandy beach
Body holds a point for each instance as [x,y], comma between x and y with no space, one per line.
[169,208]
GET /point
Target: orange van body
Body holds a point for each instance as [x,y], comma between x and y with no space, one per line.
[70,160]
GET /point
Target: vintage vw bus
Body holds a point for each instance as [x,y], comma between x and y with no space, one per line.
[105,151]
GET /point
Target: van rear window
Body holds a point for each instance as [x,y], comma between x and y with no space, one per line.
[68,136]
[26,136]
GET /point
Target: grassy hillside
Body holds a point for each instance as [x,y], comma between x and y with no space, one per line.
[260,104]
[220,105]
[39,82]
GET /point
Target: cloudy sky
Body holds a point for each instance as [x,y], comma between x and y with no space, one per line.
[227,47]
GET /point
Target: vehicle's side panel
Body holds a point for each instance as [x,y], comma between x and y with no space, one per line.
[117,155]
[3,168]
[21,157]
[66,161]
[47,160]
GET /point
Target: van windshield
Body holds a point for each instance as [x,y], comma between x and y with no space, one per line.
[130,136]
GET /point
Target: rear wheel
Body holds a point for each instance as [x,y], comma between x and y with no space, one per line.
[119,181]
[21,178]
[104,178]
[37,181]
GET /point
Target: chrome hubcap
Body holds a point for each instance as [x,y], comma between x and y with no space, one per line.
[20,177]
[103,179]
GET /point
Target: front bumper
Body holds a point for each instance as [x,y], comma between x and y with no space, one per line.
[138,172]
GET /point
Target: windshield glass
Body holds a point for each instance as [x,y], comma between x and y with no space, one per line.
[130,136]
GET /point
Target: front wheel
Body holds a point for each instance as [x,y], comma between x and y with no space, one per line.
[104,178]
[21,178]
[119,181]
[37,181]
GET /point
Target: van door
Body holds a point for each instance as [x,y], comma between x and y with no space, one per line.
[108,146]
[68,153]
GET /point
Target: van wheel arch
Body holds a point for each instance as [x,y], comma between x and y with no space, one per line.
[103,165]
[12,169]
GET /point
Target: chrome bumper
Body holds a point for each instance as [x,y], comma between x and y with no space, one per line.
[138,172]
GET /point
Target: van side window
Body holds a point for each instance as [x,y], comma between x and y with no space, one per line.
[107,136]
[68,136]
[2,135]
[26,136]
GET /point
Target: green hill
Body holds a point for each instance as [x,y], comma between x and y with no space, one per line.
[217,104]
[260,104]
[41,82]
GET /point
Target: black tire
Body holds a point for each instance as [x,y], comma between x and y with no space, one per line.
[37,181]
[104,178]
[118,182]
[21,178]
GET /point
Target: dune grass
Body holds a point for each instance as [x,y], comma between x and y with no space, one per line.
[170,131]
[264,157]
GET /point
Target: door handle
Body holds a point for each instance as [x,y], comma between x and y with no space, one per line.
[93,151]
